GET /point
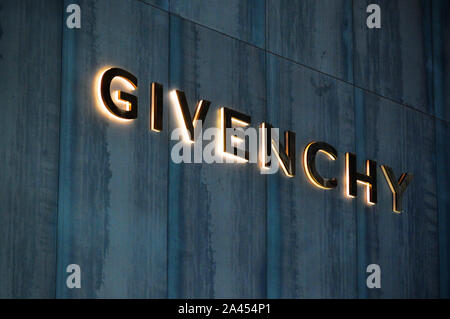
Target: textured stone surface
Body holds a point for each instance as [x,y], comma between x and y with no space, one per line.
[404,245]
[242,19]
[113,175]
[312,239]
[78,187]
[396,60]
[30,68]
[316,33]
[217,213]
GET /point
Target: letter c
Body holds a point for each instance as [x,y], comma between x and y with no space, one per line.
[309,164]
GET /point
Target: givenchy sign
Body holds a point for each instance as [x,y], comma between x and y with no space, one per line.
[235,143]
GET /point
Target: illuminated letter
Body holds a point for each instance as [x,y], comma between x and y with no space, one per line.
[265,152]
[156,114]
[132,102]
[309,164]
[184,116]
[397,188]
[286,154]
[369,179]
[228,118]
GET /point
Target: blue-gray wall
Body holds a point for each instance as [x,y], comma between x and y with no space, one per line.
[78,188]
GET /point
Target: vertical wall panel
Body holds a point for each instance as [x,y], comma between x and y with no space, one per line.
[30,69]
[242,19]
[443,189]
[217,212]
[113,175]
[441,58]
[312,232]
[441,81]
[395,61]
[317,33]
[404,245]
[361,217]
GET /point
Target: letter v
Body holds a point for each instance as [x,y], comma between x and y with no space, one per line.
[184,116]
